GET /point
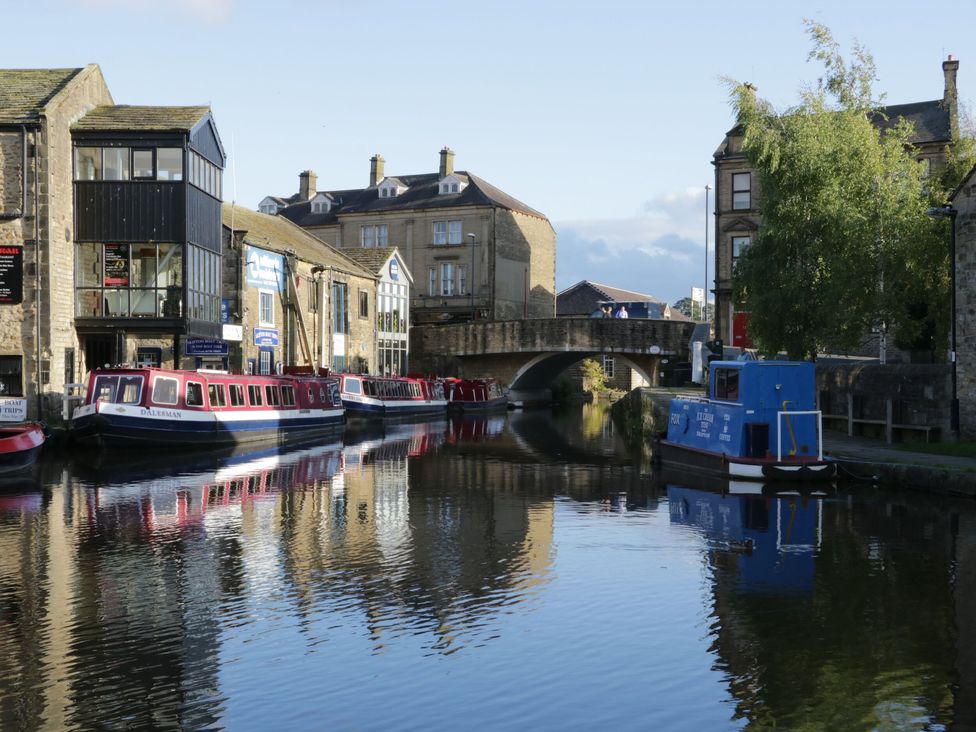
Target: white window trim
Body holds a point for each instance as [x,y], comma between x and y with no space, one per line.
[261,321]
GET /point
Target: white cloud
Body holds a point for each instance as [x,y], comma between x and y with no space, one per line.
[660,252]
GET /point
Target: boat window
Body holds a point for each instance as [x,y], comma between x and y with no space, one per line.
[334,397]
[130,389]
[194,394]
[727,384]
[415,389]
[237,395]
[288,395]
[272,395]
[311,395]
[353,386]
[105,388]
[322,394]
[216,393]
[165,390]
[254,395]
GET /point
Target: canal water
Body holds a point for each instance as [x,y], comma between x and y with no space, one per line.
[521,572]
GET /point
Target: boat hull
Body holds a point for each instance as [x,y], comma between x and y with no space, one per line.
[366,407]
[112,425]
[478,406]
[737,468]
[19,447]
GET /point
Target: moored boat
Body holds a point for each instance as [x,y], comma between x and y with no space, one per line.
[364,395]
[169,407]
[20,445]
[759,422]
[474,395]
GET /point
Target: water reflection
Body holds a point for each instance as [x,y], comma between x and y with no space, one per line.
[500,572]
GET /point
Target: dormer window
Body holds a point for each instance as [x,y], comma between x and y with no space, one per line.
[321,204]
[391,188]
[450,184]
[269,206]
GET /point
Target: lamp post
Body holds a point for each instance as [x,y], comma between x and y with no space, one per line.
[472,239]
[946,211]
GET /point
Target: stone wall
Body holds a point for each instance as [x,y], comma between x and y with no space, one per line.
[920,393]
[965,203]
[49,262]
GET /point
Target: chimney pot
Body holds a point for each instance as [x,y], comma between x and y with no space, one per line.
[447,161]
[376,166]
[307,182]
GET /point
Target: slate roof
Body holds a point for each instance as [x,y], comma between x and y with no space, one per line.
[422,193]
[278,234]
[371,258]
[24,93]
[931,120]
[614,294]
[126,117]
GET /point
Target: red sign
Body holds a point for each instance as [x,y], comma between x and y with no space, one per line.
[116,265]
[740,330]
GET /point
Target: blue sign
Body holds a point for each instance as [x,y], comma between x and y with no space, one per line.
[206,347]
[394,270]
[225,310]
[265,269]
[265,336]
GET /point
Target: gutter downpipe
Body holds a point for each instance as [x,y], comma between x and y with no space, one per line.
[37,278]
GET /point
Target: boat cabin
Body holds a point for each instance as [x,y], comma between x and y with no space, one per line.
[753,409]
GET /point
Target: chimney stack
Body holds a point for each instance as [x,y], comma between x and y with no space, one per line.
[307,180]
[447,161]
[376,164]
[950,97]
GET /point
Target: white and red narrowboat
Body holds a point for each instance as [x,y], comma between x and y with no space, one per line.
[474,395]
[167,407]
[391,396]
[20,445]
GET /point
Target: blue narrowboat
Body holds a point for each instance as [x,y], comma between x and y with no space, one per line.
[759,422]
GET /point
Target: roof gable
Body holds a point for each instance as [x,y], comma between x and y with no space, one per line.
[24,93]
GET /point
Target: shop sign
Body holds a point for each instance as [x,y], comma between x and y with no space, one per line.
[224,310]
[13,410]
[265,269]
[11,275]
[394,270]
[206,347]
[116,265]
[267,337]
[233,333]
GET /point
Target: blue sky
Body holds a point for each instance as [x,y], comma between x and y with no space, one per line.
[604,116]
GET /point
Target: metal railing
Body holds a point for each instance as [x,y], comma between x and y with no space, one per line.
[779,431]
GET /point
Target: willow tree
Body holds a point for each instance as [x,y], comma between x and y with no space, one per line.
[845,244]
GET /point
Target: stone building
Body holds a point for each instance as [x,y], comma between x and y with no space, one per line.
[738,191]
[478,253]
[39,347]
[963,204]
[291,300]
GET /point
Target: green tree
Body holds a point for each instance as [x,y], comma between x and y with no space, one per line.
[687,306]
[845,243]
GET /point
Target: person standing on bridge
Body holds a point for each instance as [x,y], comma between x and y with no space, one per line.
[622,313]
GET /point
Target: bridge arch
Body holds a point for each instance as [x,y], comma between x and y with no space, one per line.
[541,371]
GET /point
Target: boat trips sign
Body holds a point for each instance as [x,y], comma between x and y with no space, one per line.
[265,269]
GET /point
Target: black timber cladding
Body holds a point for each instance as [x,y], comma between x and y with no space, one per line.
[203,139]
[130,211]
[202,219]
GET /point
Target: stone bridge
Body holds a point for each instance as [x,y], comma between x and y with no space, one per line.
[528,355]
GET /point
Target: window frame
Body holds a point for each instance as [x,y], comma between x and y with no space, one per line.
[264,298]
[738,192]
